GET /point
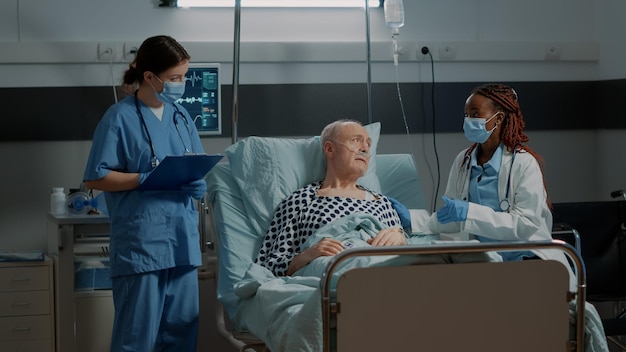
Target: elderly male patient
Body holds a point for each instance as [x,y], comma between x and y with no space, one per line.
[291,242]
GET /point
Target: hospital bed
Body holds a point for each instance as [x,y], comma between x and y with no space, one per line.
[384,307]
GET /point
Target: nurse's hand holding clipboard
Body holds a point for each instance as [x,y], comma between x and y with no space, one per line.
[195,189]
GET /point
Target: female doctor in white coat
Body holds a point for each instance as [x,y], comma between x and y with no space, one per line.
[496,189]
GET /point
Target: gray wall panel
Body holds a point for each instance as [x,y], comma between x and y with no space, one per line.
[71,113]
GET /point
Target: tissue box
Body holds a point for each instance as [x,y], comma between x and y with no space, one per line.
[92,274]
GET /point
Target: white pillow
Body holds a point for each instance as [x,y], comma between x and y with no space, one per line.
[267,170]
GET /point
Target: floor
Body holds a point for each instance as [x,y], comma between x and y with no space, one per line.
[607,309]
[209,339]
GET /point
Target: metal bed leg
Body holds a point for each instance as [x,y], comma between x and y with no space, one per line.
[242,341]
[618,313]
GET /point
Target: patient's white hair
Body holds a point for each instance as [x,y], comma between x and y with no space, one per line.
[331,131]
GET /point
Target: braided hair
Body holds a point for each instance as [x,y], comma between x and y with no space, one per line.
[512,135]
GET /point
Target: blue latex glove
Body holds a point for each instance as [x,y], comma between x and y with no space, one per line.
[144,175]
[195,189]
[403,213]
[453,210]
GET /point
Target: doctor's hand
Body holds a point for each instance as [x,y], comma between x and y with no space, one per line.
[453,210]
[195,189]
[403,213]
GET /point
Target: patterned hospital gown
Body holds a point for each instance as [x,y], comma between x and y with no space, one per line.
[303,212]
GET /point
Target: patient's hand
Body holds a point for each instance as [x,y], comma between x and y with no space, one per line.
[325,247]
[388,237]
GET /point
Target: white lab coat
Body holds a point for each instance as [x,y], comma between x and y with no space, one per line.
[529,218]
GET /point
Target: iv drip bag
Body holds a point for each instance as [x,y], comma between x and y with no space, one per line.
[394,14]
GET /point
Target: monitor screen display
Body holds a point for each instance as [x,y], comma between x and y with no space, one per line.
[202,97]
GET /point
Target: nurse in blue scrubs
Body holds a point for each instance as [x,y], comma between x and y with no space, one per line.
[154,245]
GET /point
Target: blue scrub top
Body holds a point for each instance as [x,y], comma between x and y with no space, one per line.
[483,186]
[150,230]
[483,189]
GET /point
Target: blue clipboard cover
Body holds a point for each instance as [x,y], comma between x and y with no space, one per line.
[175,171]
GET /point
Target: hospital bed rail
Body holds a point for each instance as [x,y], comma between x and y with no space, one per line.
[330,309]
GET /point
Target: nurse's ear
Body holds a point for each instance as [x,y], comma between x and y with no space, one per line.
[148,76]
[501,115]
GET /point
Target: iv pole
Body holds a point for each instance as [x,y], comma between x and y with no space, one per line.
[236,46]
[370,118]
[236,43]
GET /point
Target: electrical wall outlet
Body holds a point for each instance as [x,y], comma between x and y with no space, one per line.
[447,52]
[405,51]
[553,53]
[423,53]
[107,51]
[130,50]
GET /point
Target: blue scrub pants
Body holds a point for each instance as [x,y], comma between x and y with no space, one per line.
[156,311]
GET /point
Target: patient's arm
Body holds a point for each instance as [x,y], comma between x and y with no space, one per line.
[393,236]
[325,247]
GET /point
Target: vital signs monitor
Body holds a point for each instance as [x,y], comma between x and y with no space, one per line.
[202,97]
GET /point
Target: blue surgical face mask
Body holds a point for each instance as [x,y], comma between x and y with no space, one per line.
[475,128]
[172,91]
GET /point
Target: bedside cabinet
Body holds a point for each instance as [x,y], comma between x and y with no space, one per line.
[26,306]
[84,318]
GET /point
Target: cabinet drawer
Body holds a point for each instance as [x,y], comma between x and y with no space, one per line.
[24,278]
[26,328]
[26,346]
[24,303]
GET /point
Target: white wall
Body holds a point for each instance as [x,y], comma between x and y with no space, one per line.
[610,35]
[501,30]
[493,40]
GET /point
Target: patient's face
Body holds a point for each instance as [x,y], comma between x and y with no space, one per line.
[351,150]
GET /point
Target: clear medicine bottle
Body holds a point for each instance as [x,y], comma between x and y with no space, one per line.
[57,201]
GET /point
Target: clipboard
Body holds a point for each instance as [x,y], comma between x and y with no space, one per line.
[178,170]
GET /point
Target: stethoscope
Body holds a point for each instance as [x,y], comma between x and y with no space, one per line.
[505,204]
[177,114]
